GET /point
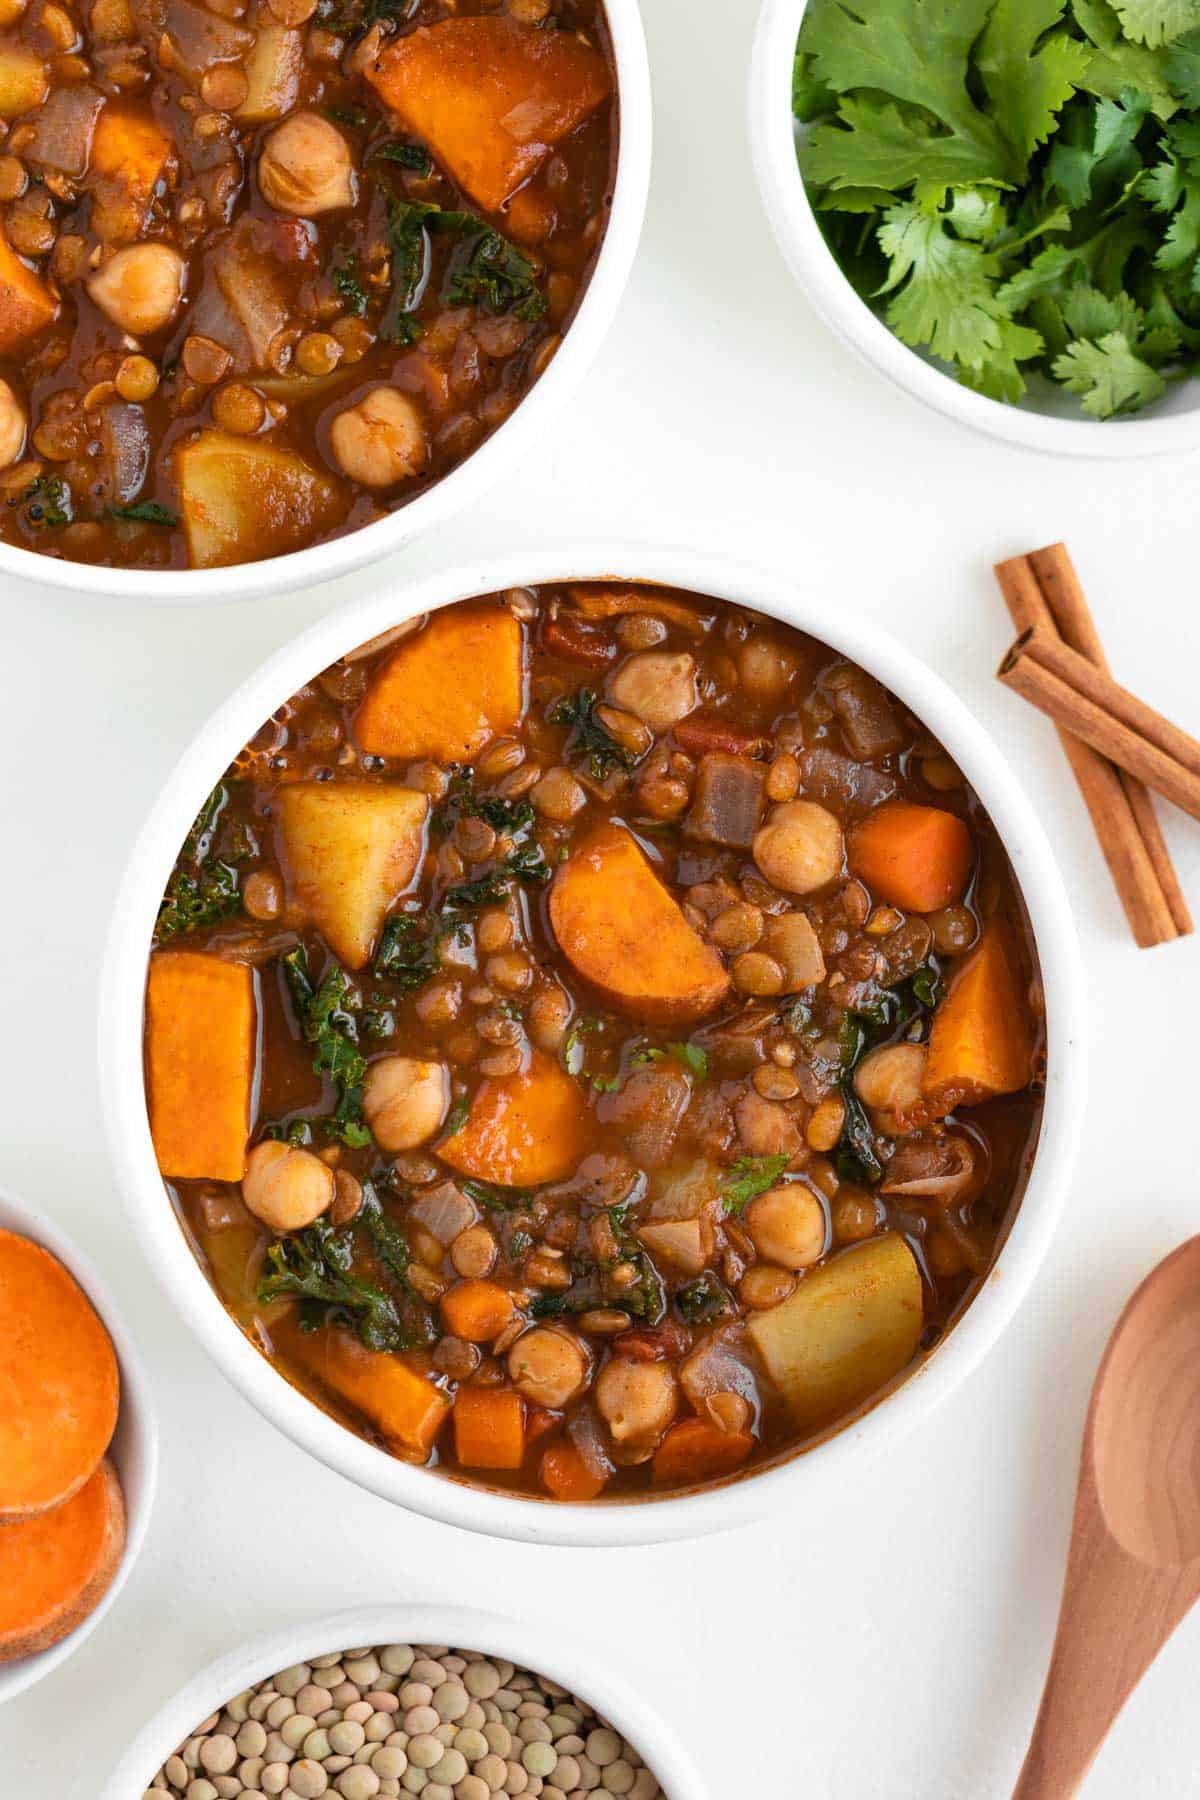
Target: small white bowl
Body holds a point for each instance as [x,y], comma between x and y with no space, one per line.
[785,1484]
[529,420]
[1173,424]
[545,1648]
[134,1447]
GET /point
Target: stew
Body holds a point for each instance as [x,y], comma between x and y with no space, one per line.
[594,1040]
[269,268]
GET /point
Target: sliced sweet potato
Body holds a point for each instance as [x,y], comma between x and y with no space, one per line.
[567,1476]
[56,1568]
[917,857]
[404,1407]
[981,1039]
[349,850]
[489,1428]
[59,1388]
[447,689]
[695,1451]
[243,499]
[490,96]
[619,927]
[26,304]
[522,1129]
[200,1028]
[129,154]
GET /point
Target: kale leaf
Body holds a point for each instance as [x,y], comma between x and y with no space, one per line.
[588,740]
[145,512]
[202,890]
[748,1177]
[327,1016]
[48,501]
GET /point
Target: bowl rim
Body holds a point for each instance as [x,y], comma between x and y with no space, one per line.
[507,444]
[573,1661]
[772,145]
[476,1507]
[137,1422]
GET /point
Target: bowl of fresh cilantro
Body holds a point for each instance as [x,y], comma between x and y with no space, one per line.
[997,204]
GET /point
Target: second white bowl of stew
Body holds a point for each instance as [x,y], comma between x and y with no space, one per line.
[578,1044]
[283,282]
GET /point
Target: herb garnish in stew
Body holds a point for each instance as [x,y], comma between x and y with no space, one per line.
[593,1038]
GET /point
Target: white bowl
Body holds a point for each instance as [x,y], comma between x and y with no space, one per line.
[511,441]
[546,1648]
[1173,424]
[786,1484]
[134,1447]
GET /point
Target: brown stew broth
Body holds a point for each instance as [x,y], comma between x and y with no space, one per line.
[675,1115]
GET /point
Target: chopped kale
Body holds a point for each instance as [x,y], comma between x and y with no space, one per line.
[145,512]
[201,891]
[494,274]
[327,1016]
[703,1300]
[456,1118]
[509,817]
[317,1266]
[749,1176]
[409,156]
[47,501]
[856,1159]
[354,116]
[347,282]
[588,740]
[493,1199]
[407,953]
[488,271]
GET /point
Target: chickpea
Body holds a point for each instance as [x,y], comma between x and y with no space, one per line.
[380,440]
[638,1401]
[286,1187]
[306,168]
[787,1225]
[889,1079]
[800,847]
[405,1101]
[765,668]
[140,287]
[548,1366]
[13,425]
[658,685]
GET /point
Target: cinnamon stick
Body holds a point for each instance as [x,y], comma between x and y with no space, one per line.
[1099,687]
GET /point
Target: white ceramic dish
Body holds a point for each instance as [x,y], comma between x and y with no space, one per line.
[134,1447]
[508,443]
[1174,424]
[545,1648]
[477,1508]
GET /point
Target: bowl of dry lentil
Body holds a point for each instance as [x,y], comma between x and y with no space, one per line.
[406,1711]
[474,1436]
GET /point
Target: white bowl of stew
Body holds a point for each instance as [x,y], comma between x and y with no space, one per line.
[684,1077]
[309,292]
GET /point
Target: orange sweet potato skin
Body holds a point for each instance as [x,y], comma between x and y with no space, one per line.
[621,929]
[55,1569]
[129,153]
[448,689]
[406,1409]
[981,1039]
[200,1027]
[522,1129]
[59,1386]
[489,1428]
[26,304]
[490,96]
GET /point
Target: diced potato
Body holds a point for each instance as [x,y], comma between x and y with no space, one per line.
[200,1031]
[243,499]
[129,154]
[448,689]
[272,69]
[350,849]
[405,1408]
[26,304]
[685,1244]
[490,96]
[849,1327]
[23,83]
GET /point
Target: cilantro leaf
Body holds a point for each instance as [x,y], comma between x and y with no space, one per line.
[1028,77]
[1156,22]
[944,291]
[1108,375]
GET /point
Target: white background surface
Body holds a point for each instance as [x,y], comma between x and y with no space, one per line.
[891,1648]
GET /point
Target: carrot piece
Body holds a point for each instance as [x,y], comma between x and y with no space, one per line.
[59,1387]
[490,96]
[616,922]
[917,857]
[56,1568]
[695,1451]
[405,1407]
[489,1428]
[477,1310]
[26,304]
[522,1129]
[129,153]
[567,1476]
[981,1039]
[350,848]
[447,689]
[200,1063]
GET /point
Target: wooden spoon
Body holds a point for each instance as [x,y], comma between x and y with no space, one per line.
[1134,1565]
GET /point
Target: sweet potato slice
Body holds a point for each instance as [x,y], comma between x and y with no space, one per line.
[490,96]
[981,1039]
[917,857]
[566,1475]
[129,154]
[695,1450]
[200,1029]
[59,1386]
[489,1428]
[447,689]
[349,849]
[243,499]
[405,1408]
[522,1129]
[621,929]
[26,304]
[56,1568]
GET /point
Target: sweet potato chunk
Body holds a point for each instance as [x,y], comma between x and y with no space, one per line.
[129,153]
[566,1475]
[490,96]
[621,929]
[59,1386]
[695,1451]
[26,304]
[405,1408]
[981,1040]
[522,1129]
[200,1064]
[243,499]
[350,848]
[56,1568]
[447,689]
[849,1327]
[489,1428]
[917,857]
